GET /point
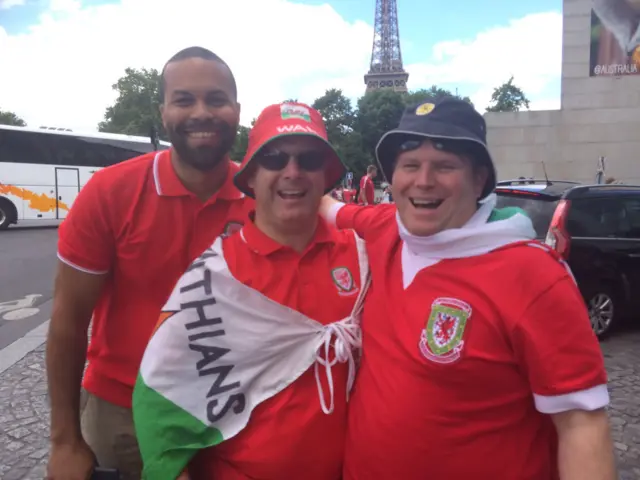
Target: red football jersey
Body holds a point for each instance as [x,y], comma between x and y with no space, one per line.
[461,369]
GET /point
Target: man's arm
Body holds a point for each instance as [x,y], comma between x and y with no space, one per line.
[367,221]
[362,194]
[75,296]
[329,207]
[561,355]
[86,252]
[585,450]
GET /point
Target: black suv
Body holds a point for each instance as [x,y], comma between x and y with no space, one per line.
[596,228]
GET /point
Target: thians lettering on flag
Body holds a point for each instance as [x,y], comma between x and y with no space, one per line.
[210,326]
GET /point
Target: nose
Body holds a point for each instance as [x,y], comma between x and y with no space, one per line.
[292,169]
[201,111]
[425,177]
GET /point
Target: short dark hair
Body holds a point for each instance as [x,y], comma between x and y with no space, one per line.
[195,52]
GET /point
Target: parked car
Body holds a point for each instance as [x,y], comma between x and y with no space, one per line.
[596,229]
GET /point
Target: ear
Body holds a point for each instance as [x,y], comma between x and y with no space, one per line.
[164,123]
[239,111]
[251,178]
[481,175]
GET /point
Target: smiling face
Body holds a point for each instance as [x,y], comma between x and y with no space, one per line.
[200,112]
[435,190]
[288,181]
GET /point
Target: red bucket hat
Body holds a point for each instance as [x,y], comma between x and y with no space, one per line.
[284,119]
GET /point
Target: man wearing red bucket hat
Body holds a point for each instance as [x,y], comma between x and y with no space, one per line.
[287,290]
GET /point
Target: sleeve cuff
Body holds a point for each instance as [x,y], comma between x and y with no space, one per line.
[590,399]
[79,268]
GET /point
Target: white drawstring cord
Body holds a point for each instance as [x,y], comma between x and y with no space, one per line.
[348,337]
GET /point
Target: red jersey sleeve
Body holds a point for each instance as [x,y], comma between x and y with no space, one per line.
[85,238]
[367,221]
[559,352]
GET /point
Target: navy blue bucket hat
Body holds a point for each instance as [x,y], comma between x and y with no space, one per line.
[453,124]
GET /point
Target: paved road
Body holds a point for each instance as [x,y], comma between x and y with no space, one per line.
[27,266]
[24,413]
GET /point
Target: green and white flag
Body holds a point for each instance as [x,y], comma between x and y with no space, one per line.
[219,350]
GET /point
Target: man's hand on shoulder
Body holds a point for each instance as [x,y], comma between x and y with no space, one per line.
[328,206]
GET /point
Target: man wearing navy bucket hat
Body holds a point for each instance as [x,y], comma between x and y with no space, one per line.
[478,356]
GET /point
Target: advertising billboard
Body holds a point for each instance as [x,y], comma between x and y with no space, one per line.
[615,37]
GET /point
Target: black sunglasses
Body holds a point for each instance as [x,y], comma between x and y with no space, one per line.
[310,161]
[451,146]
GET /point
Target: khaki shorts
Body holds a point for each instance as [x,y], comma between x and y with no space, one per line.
[108,430]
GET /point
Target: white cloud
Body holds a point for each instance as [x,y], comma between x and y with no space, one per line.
[528,48]
[545,104]
[7,4]
[62,69]
[64,5]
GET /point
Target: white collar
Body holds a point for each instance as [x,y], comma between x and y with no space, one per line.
[476,237]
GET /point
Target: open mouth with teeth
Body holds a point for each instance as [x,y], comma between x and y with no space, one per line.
[428,204]
[201,135]
[291,194]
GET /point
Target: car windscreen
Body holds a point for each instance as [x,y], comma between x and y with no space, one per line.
[540,208]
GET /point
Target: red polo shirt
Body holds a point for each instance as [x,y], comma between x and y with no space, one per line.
[462,367]
[138,223]
[349,195]
[289,436]
[366,186]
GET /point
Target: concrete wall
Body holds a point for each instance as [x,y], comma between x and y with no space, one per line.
[599,116]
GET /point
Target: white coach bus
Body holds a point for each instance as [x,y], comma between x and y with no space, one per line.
[42,170]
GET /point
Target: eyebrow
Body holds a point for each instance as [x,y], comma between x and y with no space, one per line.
[407,158]
[177,93]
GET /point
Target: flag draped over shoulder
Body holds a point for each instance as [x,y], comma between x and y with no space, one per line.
[219,350]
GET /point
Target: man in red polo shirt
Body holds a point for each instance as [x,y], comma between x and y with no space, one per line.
[367,190]
[133,230]
[284,286]
[478,356]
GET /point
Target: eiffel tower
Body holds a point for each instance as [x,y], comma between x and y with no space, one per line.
[386,71]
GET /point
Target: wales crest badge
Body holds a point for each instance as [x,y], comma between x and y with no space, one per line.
[442,338]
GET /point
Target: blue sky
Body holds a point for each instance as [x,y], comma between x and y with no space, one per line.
[467,45]
[424,23]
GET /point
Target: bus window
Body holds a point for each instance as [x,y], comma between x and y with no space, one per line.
[74,151]
[23,147]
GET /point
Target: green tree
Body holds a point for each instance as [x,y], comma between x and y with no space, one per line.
[508,97]
[137,108]
[337,114]
[378,112]
[10,118]
[432,94]
[339,118]
[240,146]
[352,153]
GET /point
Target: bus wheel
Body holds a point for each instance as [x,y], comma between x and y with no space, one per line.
[7,214]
